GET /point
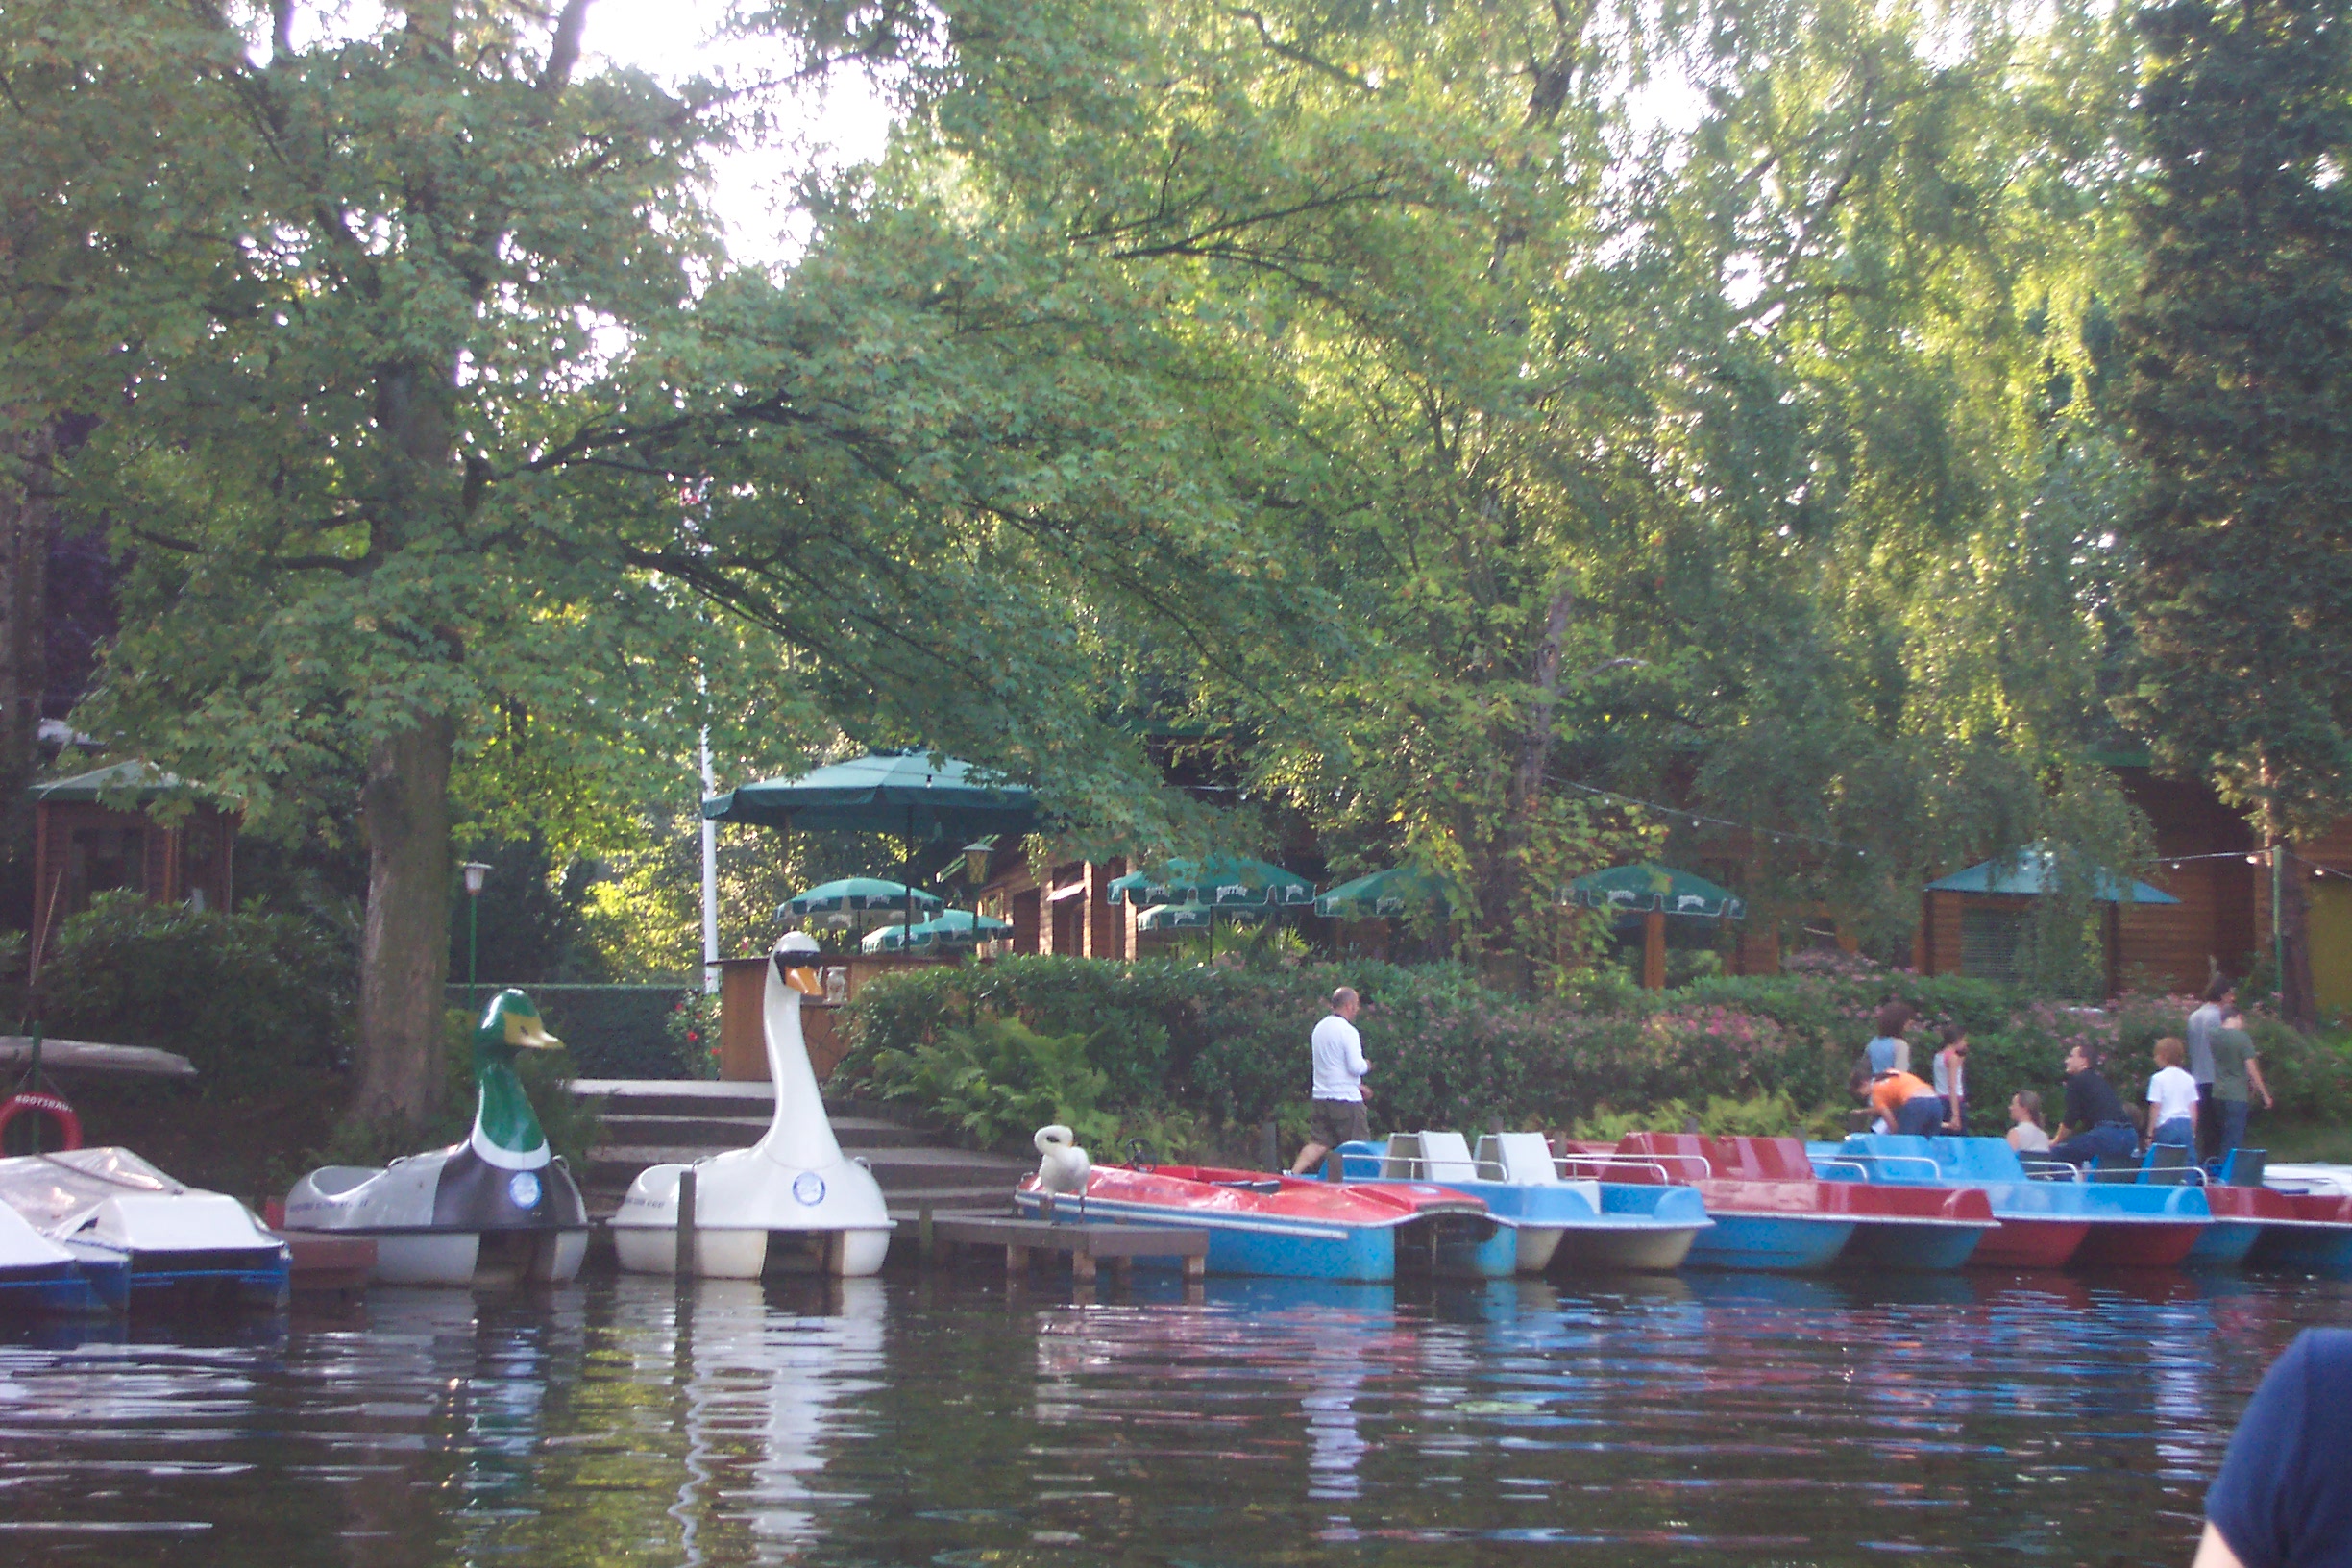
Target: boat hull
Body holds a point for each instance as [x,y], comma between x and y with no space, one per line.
[2025,1242]
[1287,1227]
[2139,1243]
[1914,1244]
[1785,1243]
[48,1290]
[2311,1231]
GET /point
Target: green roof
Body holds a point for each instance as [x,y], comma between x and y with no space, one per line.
[142,781]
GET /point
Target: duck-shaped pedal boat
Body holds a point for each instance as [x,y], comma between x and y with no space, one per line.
[497,1209]
[792,1203]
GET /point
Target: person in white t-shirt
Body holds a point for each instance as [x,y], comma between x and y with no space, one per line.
[2172,1097]
[1339,1094]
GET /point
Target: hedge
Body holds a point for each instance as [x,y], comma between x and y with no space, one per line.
[1228,1046]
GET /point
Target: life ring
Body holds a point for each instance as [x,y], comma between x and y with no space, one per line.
[70,1125]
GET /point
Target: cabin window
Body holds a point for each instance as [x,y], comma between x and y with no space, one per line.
[1992,942]
[102,860]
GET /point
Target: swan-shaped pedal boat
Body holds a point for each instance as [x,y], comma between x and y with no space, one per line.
[497,1209]
[790,1203]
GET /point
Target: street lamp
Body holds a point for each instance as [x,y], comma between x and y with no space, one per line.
[474,871]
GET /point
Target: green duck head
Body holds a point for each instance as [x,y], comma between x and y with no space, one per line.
[503,1117]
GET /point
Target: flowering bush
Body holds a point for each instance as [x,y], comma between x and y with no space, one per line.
[692,1031]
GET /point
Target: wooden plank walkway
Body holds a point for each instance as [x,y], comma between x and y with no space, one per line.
[1085,1243]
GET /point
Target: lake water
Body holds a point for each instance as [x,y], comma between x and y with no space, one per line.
[949,1420]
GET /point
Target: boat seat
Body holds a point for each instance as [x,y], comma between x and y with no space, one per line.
[2246,1167]
[1445,1156]
[1775,1159]
[2166,1165]
[1401,1160]
[1525,1158]
[1685,1156]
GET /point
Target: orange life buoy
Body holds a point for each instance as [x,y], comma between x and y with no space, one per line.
[70,1125]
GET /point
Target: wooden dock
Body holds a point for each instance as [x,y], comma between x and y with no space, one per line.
[1086,1244]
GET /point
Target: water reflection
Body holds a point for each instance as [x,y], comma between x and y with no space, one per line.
[951,1420]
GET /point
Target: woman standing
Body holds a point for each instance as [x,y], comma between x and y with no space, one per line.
[1949,1070]
[1888,1051]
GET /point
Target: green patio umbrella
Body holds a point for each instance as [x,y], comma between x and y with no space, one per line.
[955,928]
[1223,881]
[849,901]
[2027,874]
[885,792]
[1192,916]
[1636,890]
[1399,890]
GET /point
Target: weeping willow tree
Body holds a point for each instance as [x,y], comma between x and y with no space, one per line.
[1704,407]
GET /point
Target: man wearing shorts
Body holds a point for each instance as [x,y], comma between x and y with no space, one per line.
[1339,1095]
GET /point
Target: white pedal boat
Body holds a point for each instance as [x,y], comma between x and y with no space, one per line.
[497,1209]
[790,1203]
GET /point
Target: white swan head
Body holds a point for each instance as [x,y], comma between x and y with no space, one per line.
[795,960]
[1065,1166]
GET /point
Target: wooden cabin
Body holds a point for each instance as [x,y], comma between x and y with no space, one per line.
[93,833]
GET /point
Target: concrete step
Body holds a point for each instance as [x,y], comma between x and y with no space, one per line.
[723,1131]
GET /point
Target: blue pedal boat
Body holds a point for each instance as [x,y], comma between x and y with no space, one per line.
[1288,1227]
[41,1279]
[142,1241]
[2110,1224]
[1772,1179]
[1558,1222]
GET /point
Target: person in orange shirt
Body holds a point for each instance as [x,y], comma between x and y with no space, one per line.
[1904,1102]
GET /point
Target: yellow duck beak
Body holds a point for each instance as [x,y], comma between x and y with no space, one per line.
[525,1032]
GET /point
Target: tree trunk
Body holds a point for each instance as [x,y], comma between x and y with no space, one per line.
[2299,1000]
[404,962]
[24,600]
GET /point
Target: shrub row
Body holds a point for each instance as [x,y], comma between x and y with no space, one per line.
[1229,1047]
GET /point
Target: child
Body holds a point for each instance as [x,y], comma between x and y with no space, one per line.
[1950,1069]
[2026,1134]
[2171,1097]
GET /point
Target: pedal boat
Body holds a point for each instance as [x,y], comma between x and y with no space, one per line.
[1603,1226]
[2313,1229]
[2113,1224]
[39,1278]
[499,1208]
[792,1203]
[1294,1227]
[141,1240]
[1781,1214]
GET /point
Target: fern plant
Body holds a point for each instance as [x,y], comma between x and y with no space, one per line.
[1000,1080]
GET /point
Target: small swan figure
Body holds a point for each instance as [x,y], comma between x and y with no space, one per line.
[1064,1170]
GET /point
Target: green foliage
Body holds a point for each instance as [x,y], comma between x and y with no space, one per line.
[1759,1115]
[996,1081]
[245,996]
[692,1029]
[1228,1047]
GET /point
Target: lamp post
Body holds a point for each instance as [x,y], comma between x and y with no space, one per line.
[475,870]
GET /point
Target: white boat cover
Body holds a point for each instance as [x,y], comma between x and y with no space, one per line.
[58,1193]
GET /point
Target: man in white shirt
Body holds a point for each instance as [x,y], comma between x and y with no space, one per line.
[1340,1093]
